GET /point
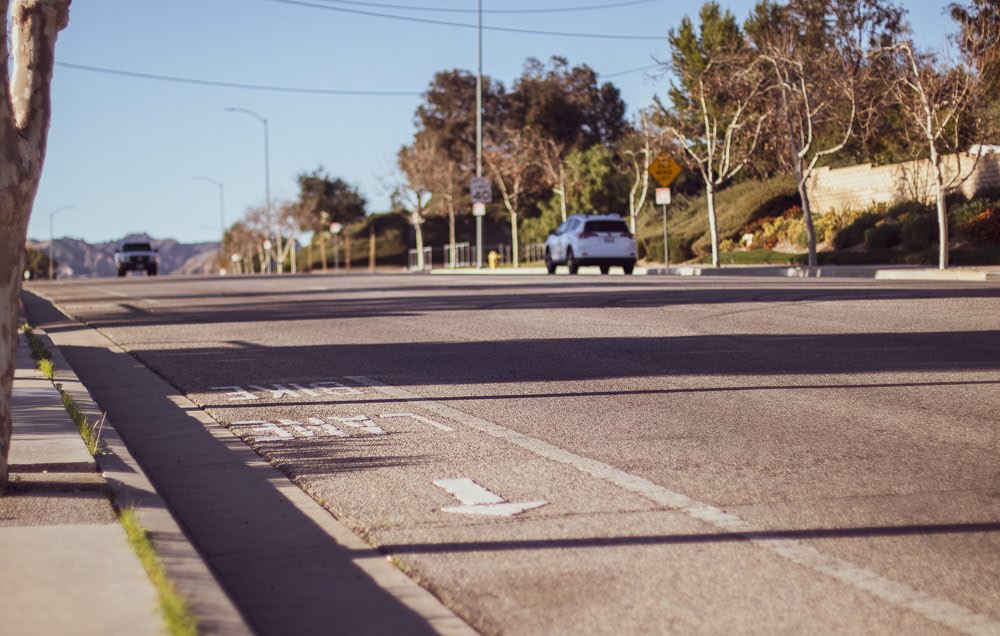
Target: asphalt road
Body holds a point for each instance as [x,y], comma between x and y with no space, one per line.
[690,455]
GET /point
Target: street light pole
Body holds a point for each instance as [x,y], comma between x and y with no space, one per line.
[52,237]
[479,125]
[222,211]
[267,176]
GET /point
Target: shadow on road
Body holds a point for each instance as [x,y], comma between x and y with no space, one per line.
[683,539]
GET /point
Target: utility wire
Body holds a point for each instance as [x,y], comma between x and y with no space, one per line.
[254,87]
[411,7]
[600,36]
[629,71]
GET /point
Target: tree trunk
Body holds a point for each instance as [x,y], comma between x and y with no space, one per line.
[562,192]
[419,234]
[25,111]
[810,228]
[513,239]
[322,249]
[452,262]
[942,209]
[806,214]
[713,229]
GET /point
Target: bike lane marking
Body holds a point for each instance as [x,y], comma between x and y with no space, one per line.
[936,609]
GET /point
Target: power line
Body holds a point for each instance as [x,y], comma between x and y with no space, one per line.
[273,88]
[463,25]
[410,7]
[629,71]
[254,87]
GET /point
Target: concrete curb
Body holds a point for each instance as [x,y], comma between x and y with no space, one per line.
[901,273]
[129,486]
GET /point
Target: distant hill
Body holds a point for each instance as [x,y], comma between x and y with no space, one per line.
[78,259]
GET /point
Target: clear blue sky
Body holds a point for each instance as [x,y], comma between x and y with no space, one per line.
[124,150]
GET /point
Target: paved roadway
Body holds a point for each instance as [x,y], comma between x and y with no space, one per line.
[712,455]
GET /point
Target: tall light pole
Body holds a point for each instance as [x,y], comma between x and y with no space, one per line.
[52,237]
[479,126]
[267,175]
[222,211]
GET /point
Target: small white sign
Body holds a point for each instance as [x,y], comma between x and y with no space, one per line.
[478,209]
[663,196]
[335,227]
[480,190]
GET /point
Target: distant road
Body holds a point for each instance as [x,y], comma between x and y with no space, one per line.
[612,455]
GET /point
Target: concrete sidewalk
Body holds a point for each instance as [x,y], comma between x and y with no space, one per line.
[68,568]
[873,272]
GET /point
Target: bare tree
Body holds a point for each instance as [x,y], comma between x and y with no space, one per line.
[551,159]
[25,111]
[414,193]
[715,120]
[510,156]
[819,56]
[637,151]
[940,102]
[449,189]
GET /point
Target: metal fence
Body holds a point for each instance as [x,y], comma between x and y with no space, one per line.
[412,260]
[462,257]
[466,256]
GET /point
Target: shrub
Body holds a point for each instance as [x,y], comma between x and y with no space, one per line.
[854,233]
[919,231]
[985,227]
[904,209]
[727,245]
[883,235]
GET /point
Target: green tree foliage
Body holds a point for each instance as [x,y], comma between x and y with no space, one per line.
[566,104]
[449,113]
[36,263]
[319,193]
[596,188]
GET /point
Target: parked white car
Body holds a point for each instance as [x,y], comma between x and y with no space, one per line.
[584,239]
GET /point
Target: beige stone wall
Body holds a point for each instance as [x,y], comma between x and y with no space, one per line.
[859,187]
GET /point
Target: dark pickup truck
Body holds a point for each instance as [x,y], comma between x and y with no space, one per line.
[136,256]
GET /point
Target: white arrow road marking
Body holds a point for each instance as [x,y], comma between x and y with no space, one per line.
[800,552]
[477,500]
[421,418]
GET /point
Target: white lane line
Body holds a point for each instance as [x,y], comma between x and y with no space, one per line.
[421,418]
[477,500]
[930,607]
[119,294]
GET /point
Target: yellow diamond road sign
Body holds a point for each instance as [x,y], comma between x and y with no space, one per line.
[664,169]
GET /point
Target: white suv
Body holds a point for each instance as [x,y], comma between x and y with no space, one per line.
[591,240]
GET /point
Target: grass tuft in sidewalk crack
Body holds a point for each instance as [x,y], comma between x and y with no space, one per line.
[177,616]
[91,433]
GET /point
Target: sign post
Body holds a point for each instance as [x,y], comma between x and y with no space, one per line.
[664,169]
[663,198]
[481,193]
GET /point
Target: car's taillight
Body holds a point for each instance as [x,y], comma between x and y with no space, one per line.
[586,235]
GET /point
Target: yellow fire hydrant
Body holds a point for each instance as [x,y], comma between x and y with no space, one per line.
[493,258]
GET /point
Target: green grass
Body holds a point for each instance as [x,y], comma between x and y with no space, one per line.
[735,207]
[177,616]
[38,350]
[91,433]
[754,257]
[45,366]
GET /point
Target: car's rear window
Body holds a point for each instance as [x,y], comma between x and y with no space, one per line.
[137,247]
[606,226]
